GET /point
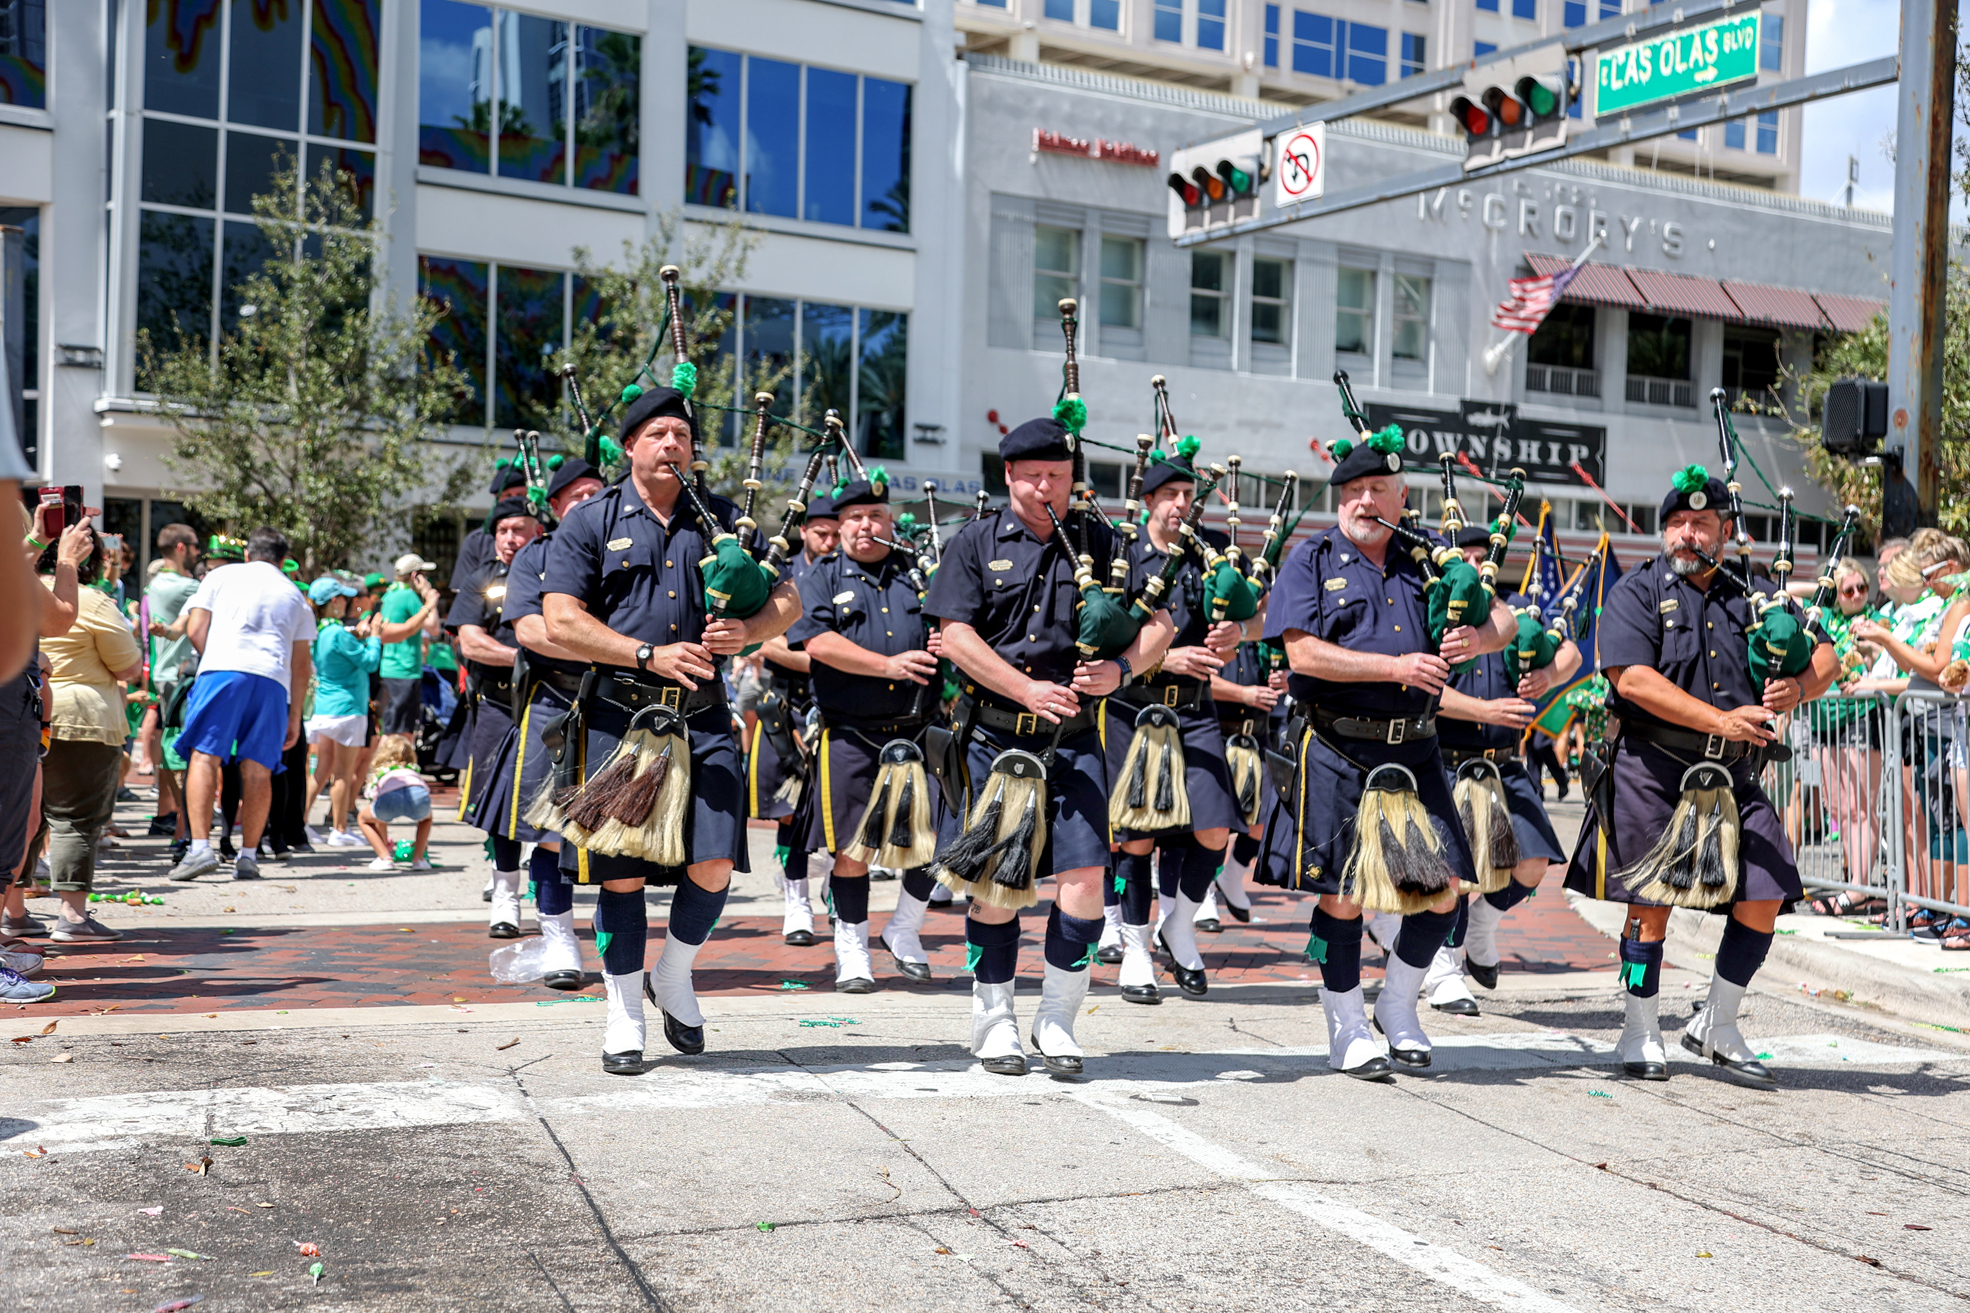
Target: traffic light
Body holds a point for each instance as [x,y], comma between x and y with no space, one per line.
[1855,417]
[1513,107]
[1216,183]
[1208,183]
[1186,190]
[1241,174]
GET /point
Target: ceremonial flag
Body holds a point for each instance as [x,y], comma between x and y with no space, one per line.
[1542,584]
[1530,300]
[1594,580]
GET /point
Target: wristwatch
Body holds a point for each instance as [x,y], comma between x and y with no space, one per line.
[643,655]
[1128,672]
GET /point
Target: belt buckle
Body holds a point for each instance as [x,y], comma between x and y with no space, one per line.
[1398,732]
[1027,723]
[1171,694]
[1713,747]
[670,699]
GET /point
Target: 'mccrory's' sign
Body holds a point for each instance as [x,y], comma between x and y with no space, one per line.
[1496,439]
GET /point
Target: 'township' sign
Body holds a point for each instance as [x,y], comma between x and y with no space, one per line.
[1496,439]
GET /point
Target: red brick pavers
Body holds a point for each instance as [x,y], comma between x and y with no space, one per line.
[162,969]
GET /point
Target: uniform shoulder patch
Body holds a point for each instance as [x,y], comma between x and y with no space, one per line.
[1335,585]
[848,596]
[1667,604]
[617,544]
[998,565]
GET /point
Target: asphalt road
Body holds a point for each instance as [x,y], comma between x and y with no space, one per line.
[837,1153]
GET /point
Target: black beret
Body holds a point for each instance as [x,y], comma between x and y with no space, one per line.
[506,510]
[507,476]
[1362,460]
[1474,535]
[1168,470]
[574,467]
[1693,489]
[655,402]
[820,507]
[862,493]
[1037,439]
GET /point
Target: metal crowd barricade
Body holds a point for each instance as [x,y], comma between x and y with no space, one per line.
[1834,791]
[1928,813]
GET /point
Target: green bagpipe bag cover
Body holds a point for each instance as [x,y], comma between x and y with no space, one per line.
[1533,649]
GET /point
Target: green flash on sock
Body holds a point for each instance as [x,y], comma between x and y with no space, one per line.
[1633,973]
[1121,884]
[1316,949]
[973,955]
[781,853]
[1087,957]
[602,939]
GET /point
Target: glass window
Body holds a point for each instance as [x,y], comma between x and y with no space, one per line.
[527,390]
[885,155]
[24,55]
[1479,49]
[827,370]
[608,110]
[1412,317]
[1610,8]
[181,164]
[1169,20]
[1526,9]
[1272,36]
[265,80]
[251,163]
[1272,283]
[1771,42]
[1751,360]
[1734,134]
[711,133]
[1354,311]
[1210,24]
[1368,49]
[772,136]
[532,85]
[1313,44]
[244,250]
[454,86]
[342,57]
[1414,59]
[28,219]
[1106,14]
[1658,346]
[1768,132]
[1056,268]
[1573,13]
[1210,285]
[181,57]
[1062,10]
[768,343]
[356,169]
[1121,282]
[1689,135]
[174,278]
[830,194]
[1564,338]
[880,384]
[458,288]
[1489,6]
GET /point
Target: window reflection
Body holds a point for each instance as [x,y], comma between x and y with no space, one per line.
[608,100]
[881,383]
[458,288]
[711,134]
[454,86]
[772,135]
[528,391]
[264,85]
[532,90]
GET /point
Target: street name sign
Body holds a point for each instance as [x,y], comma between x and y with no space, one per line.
[1678,64]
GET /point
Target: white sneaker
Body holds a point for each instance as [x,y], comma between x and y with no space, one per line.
[1395,1013]
[422,864]
[343,839]
[380,864]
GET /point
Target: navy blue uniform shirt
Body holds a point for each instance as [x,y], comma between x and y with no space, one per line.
[523,598]
[1485,681]
[482,604]
[1017,591]
[636,574]
[797,570]
[1695,638]
[1184,599]
[874,606]
[1329,590]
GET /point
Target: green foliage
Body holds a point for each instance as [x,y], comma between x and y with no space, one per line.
[315,413]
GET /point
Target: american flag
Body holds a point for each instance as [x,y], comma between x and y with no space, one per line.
[1530,300]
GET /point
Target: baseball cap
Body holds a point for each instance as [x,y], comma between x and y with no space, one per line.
[322,589]
[372,580]
[410,563]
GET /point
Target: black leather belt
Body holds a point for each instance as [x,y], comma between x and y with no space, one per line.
[1177,697]
[556,679]
[637,694]
[1376,731]
[495,686]
[1711,747]
[1028,724]
[907,729]
[1458,756]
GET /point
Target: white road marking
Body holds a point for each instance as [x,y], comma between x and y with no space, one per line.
[1465,1275]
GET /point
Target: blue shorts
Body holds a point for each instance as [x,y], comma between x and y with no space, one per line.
[410,803]
[233,714]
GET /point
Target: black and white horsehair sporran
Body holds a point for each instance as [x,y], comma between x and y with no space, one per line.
[1480,798]
[996,858]
[636,804]
[561,733]
[1150,794]
[1695,862]
[1397,862]
[895,830]
[1247,766]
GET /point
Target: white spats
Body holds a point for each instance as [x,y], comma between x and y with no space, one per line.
[1395,1010]
[1138,958]
[799,914]
[557,936]
[623,1032]
[851,952]
[1641,1032]
[1111,927]
[505,898]
[1061,995]
[1443,984]
[670,981]
[1208,909]
[1382,927]
[1180,934]
[994,1025]
[904,933]
[1351,1041]
[1231,885]
[1481,933]
[1714,1029]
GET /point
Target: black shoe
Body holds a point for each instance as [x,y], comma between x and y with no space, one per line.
[1484,975]
[857,986]
[1066,1065]
[909,970]
[1414,1059]
[124,793]
[1242,915]
[1564,790]
[623,1064]
[1194,983]
[688,1040]
[305,847]
[485,895]
[1457,1007]
[1209,925]
[502,930]
[163,826]
[801,939]
[1012,1064]
[566,980]
[1141,994]
[226,850]
[1375,1069]
[881,875]
[1750,1072]
[1110,956]
[1645,1070]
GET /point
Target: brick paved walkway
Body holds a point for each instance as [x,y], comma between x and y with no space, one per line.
[199,970]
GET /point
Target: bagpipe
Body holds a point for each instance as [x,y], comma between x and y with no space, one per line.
[1779,643]
[1228,592]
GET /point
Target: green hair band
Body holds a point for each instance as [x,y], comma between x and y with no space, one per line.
[1690,478]
[1072,412]
[1388,441]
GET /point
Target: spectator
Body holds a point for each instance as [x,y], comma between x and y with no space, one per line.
[253,632]
[1845,730]
[409,616]
[83,768]
[396,792]
[170,589]
[339,729]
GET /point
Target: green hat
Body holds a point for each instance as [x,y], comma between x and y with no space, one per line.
[221,548]
[373,581]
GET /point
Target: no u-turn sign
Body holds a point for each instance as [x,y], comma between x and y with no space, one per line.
[1300,171]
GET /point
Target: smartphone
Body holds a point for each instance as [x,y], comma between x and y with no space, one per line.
[48,515]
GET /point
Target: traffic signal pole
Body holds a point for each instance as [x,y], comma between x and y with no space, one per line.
[1916,291]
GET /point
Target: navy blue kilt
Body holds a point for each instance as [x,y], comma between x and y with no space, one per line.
[1647,782]
[1077,795]
[491,723]
[715,828]
[455,744]
[521,768]
[1309,839]
[765,773]
[846,763]
[1529,820]
[1206,777]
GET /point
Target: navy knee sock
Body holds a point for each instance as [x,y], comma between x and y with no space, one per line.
[1422,934]
[1457,931]
[543,867]
[1641,967]
[1200,867]
[992,951]
[1169,863]
[506,853]
[1510,896]
[851,897]
[1336,946]
[552,894]
[793,860]
[1243,849]
[693,911]
[1070,940]
[1111,888]
[622,930]
[1742,952]
[1132,874]
[918,883]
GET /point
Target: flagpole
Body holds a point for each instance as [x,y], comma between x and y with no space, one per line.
[1494,355]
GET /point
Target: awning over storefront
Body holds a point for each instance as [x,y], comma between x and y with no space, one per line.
[1680,294]
[1849,314]
[1786,307]
[1595,284]
[1684,294]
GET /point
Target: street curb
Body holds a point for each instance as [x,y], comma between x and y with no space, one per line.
[1795,960]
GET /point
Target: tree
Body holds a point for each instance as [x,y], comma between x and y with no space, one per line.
[314,412]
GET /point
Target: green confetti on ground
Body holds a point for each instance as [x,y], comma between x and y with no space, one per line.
[793,984]
[232,1143]
[1599,1094]
[1936,1026]
[763,1226]
[1764,1057]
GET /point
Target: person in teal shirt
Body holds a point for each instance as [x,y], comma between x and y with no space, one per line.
[408,614]
[339,726]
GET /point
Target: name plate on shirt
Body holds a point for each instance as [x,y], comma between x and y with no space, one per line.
[998,566]
[848,596]
[617,544]
[1335,585]
[1667,605]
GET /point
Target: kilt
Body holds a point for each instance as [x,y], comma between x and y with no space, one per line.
[455,744]
[1308,841]
[1647,781]
[519,768]
[766,771]
[846,763]
[491,723]
[1206,777]
[1077,795]
[715,825]
[1530,824]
